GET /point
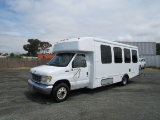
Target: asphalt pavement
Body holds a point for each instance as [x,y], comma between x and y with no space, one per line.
[139,100]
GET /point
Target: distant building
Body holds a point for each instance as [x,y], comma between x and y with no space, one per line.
[3,56]
[145,48]
[49,56]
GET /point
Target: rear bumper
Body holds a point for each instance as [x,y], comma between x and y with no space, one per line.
[39,87]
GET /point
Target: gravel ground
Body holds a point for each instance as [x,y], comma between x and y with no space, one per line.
[139,100]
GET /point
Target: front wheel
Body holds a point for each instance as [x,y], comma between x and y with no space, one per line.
[60,92]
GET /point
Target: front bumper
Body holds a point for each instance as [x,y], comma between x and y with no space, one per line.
[40,88]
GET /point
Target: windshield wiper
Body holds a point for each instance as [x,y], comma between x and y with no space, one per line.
[54,64]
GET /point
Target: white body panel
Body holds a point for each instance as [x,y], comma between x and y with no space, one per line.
[113,70]
[95,74]
[72,45]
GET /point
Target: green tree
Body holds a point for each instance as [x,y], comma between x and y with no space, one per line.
[32,47]
[12,55]
[158,48]
[35,46]
[44,46]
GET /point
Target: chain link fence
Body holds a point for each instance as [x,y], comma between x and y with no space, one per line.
[22,62]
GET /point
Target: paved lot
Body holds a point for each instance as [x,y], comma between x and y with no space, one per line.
[139,100]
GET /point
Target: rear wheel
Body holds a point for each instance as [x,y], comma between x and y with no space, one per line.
[140,68]
[60,92]
[124,80]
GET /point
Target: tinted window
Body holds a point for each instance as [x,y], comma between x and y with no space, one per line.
[134,56]
[127,56]
[117,55]
[78,61]
[106,56]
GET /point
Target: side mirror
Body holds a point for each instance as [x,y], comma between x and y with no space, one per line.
[83,63]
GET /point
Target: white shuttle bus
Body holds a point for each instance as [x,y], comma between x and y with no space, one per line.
[84,62]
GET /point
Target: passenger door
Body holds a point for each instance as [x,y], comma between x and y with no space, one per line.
[80,71]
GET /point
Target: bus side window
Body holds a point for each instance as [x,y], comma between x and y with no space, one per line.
[106,55]
[117,55]
[134,56]
[127,55]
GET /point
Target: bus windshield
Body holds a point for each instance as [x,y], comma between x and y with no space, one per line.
[61,59]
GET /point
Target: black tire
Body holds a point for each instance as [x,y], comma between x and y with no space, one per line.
[124,81]
[140,68]
[144,66]
[60,92]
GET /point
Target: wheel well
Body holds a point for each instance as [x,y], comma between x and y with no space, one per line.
[126,75]
[62,81]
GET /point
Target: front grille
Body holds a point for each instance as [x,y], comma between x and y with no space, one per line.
[36,78]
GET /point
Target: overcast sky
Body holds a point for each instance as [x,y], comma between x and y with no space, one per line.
[53,20]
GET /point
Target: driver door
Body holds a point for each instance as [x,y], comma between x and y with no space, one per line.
[80,71]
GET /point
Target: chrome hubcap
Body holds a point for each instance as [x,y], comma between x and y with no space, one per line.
[61,93]
[124,81]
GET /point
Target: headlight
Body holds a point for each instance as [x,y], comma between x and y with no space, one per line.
[46,78]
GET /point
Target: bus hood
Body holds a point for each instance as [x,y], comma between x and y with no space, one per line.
[45,70]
